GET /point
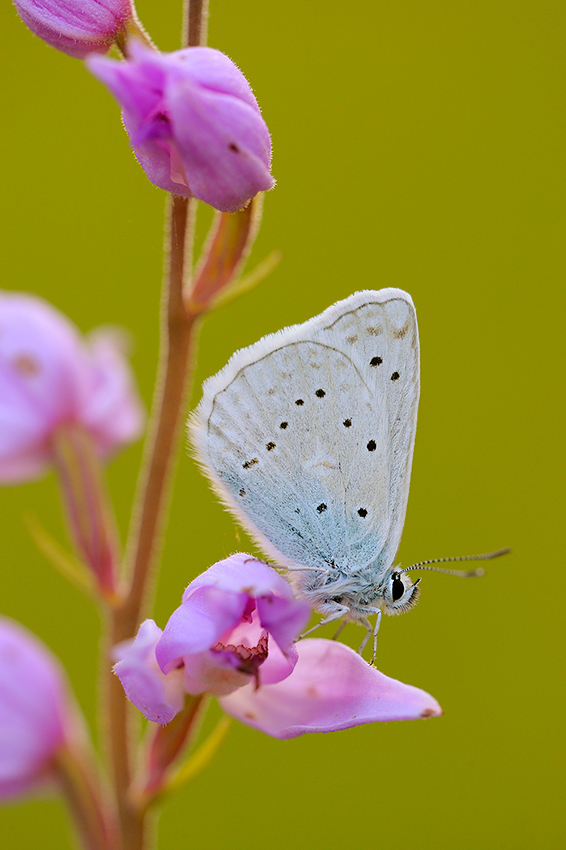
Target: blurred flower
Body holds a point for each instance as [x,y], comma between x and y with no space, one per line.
[35,718]
[77,27]
[193,122]
[233,637]
[50,378]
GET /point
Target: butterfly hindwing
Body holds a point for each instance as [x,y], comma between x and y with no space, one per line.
[308,434]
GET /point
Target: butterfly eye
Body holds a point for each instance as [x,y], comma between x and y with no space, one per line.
[397,589]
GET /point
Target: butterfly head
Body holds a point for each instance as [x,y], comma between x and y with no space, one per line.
[399,593]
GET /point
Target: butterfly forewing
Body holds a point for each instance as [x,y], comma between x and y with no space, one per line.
[308,434]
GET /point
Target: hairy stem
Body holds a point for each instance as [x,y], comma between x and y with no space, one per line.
[165,425]
[154,488]
[77,778]
[195,22]
[177,343]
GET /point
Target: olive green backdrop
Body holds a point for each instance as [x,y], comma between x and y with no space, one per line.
[416,144]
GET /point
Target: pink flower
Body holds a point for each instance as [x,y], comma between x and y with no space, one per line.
[77,27]
[233,637]
[193,122]
[35,718]
[50,377]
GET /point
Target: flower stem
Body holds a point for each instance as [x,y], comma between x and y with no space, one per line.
[195,23]
[162,444]
[167,743]
[77,778]
[89,512]
[178,338]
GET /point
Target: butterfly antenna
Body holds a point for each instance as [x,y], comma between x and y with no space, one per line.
[423,565]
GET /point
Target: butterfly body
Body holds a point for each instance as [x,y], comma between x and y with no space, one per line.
[308,437]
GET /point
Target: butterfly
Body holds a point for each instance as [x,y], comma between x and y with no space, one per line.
[307,436]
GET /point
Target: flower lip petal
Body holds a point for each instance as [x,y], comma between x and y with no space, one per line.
[331,688]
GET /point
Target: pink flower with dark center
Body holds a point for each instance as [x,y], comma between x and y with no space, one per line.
[233,636]
[77,27]
[51,377]
[193,122]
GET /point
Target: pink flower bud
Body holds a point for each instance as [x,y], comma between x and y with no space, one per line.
[193,122]
[77,27]
[35,718]
[51,377]
[233,636]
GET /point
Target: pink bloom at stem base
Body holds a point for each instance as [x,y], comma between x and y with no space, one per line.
[51,378]
[233,636]
[77,27]
[193,122]
[43,740]
[35,718]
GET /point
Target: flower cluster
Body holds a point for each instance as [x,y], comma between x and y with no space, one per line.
[233,636]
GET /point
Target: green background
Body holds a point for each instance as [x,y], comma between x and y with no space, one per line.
[419,145]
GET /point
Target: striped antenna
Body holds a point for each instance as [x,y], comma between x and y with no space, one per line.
[423,565]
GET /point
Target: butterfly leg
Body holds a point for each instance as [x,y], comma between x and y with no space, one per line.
[375,631]
[340,611]
[369,631]
[339,630]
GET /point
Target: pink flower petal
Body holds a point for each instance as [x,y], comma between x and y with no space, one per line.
[330,688]
[198,624]
[76,28]
[110,407]
[34,717]
[193,122]
[158,697]
[49,377]
[283,618]
[224,145]
[241,573]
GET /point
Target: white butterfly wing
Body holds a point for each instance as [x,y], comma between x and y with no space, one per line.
[308,435]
